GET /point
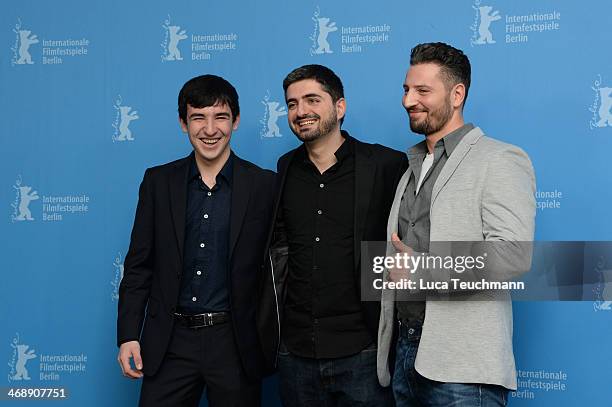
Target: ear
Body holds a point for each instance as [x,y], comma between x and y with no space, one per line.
[458,95]
[183,125]
[236,123]
[340,108]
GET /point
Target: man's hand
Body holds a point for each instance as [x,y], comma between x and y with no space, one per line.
[394,273]
[130,350]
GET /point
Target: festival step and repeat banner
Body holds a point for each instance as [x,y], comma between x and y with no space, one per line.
[88,95]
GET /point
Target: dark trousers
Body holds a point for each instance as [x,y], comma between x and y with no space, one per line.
[198,359]
[347,381]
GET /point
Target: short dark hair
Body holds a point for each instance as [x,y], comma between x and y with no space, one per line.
[454,64]
[207,90]
[328,80]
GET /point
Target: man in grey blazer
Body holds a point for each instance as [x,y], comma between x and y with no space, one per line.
[460,186]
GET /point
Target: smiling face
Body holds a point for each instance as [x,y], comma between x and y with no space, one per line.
[427,99]
[210,130]
[311,112]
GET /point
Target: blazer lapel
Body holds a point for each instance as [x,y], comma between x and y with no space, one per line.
[283,169]
[365,173]
[394,212]
[241,193]
[178,200]
[454,160]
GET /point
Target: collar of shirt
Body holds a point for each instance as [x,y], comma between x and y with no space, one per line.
[346,149]
[227,171]
[448,143]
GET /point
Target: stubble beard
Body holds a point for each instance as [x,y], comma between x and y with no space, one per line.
[434,122]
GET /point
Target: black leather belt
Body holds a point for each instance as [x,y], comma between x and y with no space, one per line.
[202,320]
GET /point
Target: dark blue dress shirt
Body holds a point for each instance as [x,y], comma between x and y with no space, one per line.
[204,284]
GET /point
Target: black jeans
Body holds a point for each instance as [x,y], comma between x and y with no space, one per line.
[347,381]
[198,359]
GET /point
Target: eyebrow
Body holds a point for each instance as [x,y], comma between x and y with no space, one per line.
[417,86]
[219,114]
[309,95]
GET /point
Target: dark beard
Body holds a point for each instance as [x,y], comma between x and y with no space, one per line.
[435,120]
[325,127]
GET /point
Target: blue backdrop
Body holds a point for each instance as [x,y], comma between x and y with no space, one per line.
[88,96]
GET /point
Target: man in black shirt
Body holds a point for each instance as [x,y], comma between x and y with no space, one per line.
[332,193]
[195,260]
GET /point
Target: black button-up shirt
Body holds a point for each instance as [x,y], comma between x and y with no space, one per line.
[323,316]
[205,258]
[413,223]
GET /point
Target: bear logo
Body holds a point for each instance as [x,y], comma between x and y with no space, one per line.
[486,18]
[127,116]
[175,36]
[273,112]
[605,115]
[325,27]
[25,41]
[26,195]
[23,355]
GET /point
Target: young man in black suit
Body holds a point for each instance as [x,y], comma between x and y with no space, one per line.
[332,193]
[194,264]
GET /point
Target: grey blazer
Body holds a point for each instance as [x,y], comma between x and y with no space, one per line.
[485,192]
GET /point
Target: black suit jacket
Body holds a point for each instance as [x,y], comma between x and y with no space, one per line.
[378,170]
[153,265]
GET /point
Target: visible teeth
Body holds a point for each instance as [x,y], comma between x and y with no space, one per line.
[209,140]
[307,123]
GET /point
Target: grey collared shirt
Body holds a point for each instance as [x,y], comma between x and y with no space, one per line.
[413,222]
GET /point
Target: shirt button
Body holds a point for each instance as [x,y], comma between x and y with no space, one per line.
[412,224]
[205,216]
[320,212]
[321,185]
[194,299]
[202,245]
[209,193]
[199,273]
[411,331]
[317,239]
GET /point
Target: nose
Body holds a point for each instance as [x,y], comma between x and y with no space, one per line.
[301,109]
[209,128]
[409,100]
